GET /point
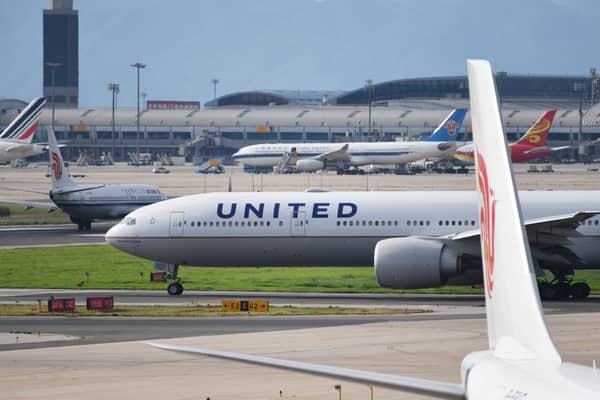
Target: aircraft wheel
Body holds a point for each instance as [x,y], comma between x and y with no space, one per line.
[580,290]
[80,226]
[88,225]
[562,291]
[175,289]
[547,291]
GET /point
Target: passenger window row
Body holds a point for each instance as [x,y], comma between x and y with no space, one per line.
[367,223]
[457,222]
[589,222]
[224,224]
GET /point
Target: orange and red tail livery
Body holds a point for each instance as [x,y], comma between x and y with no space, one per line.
[537,135]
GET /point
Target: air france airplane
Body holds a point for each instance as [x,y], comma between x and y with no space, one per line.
[426,239]
[521,362]
[317,156]
[15,140]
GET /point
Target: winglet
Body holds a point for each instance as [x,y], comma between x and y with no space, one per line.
[447,131]
[516,327]
[60,175]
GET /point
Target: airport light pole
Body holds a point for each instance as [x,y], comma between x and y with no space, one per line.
[114,88]
[580,87]
[138,66]
[215,82]
[53,66]
[593,86]
[501,76]
[369,87]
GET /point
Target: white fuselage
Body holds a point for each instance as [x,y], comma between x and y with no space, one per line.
[326,228]
[10,151]
[270,155]
[105,202]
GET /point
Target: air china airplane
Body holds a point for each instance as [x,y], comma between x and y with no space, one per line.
[531,146]
[521,362]
[318,156]
[414,239]
[86,203]
[15,140]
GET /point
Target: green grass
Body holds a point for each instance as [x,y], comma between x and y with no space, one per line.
[103,267]
[197,311]
[36,216]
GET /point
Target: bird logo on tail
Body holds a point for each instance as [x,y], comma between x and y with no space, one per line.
[488,223]
[56,166]
[452,127]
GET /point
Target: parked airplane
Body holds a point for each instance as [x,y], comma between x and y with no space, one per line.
[86,203]
[521,362]
[15,140]
[531,146]
[318,156]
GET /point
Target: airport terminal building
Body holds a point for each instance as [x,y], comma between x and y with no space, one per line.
[404,109]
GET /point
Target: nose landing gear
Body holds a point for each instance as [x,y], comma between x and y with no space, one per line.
[175,288]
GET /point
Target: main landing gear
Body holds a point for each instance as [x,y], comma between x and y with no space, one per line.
[562,287]
[82,224]
[175,288]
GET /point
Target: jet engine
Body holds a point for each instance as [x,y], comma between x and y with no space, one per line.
[309,165]
[413,263]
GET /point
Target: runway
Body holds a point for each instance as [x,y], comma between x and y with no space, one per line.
[51,235]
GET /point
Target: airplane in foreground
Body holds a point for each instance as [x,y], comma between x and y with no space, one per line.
[86,203]
[16,138]
[310,157]
[531,146]
[521,362]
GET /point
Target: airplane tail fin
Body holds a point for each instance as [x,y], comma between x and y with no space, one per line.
[448,129]
[22,128]
[538,134]
[516,326]
[60,175]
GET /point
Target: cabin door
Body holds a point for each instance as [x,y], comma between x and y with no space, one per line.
[298,225]
[176,223]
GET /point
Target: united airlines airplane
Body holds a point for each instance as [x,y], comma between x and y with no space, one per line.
[317,156]
[521,362]
[424,239]
[16,139]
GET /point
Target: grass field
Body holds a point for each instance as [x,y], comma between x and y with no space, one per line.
[198,311]
[103,267]
[36,216]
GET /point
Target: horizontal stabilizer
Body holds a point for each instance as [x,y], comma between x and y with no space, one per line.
[442,390]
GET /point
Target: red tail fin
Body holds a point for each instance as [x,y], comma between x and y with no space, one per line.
[538,134]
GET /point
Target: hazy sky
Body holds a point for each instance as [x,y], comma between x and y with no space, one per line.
[295,44]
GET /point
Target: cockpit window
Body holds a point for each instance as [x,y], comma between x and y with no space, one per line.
[130,221]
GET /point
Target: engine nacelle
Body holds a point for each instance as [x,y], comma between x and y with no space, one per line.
[309,165]
[413,263]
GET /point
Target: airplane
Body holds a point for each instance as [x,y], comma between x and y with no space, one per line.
[531,146]
[310,157]
[15,139]
[86,203]
[521,362]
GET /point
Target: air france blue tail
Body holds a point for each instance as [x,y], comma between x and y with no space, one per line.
[447,131]
[22,128]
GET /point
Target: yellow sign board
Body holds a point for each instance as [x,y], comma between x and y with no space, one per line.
[244,305]
[81,128]
[263,129]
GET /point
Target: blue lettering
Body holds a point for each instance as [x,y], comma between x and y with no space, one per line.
[221,214]
[341,213]
[295,208]
[276,210]
[256,211]
[320,210]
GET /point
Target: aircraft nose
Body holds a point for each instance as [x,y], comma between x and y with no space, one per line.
[123,236]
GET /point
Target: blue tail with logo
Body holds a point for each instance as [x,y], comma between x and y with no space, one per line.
[447,131]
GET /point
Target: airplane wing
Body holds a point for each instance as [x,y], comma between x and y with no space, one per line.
[548,237]
[340,154]
[560,148]
[442,390]
[536,150]
[19,147]
[31,204]
[24,190]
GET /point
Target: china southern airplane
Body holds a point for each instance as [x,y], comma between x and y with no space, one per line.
[521,362]
[317,156]
[414,239]
[86,203]
[15,140]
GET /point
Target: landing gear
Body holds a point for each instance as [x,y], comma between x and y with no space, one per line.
[562,287]
[82,224]
[175,288]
